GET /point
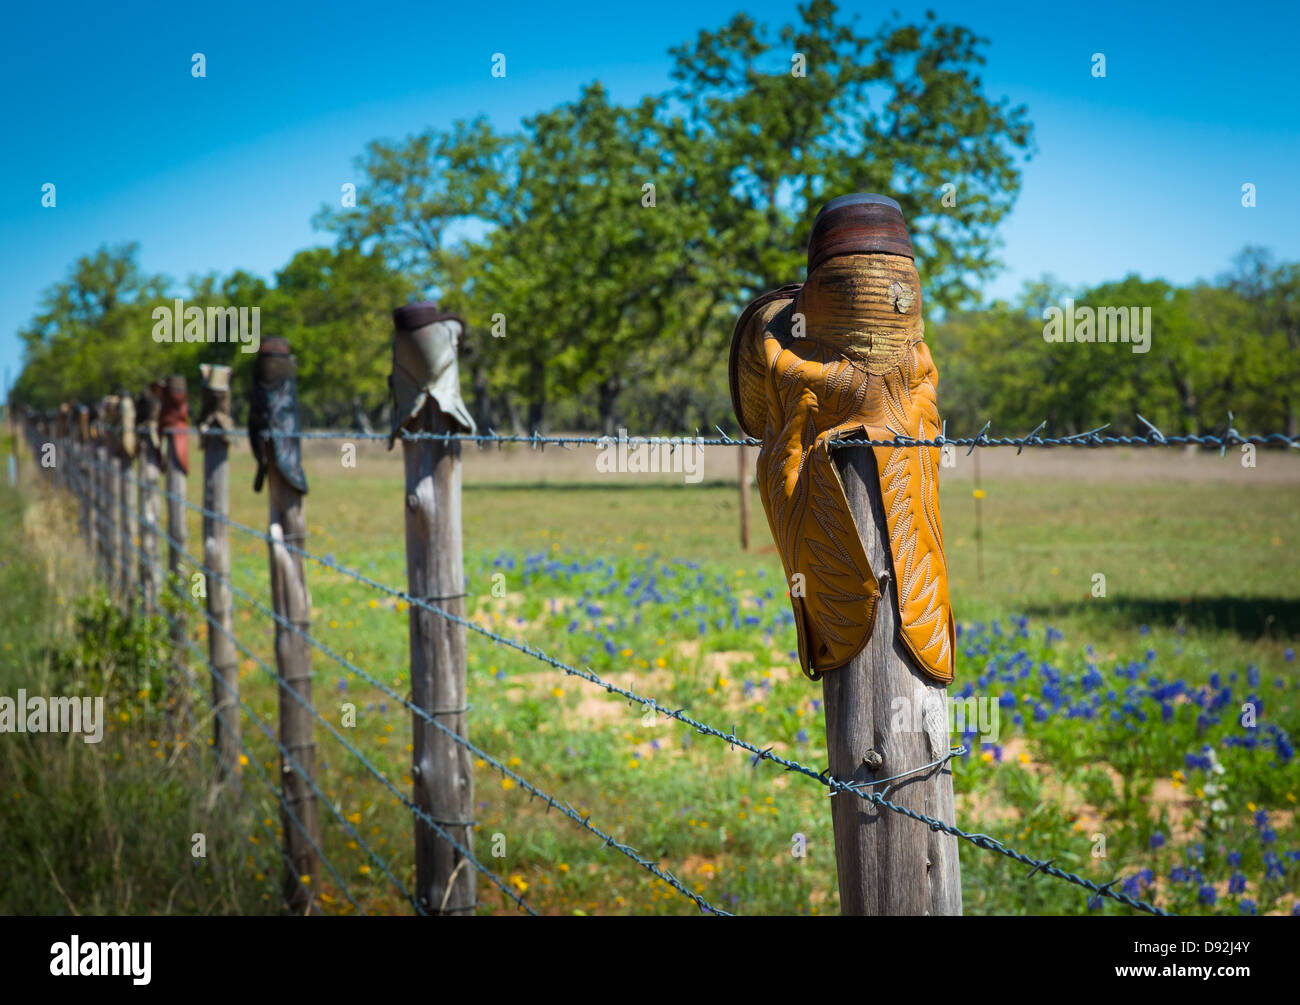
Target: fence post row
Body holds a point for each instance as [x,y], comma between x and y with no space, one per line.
[215,424]
[426,391]
[274,410]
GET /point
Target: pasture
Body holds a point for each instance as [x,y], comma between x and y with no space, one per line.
[1121,752]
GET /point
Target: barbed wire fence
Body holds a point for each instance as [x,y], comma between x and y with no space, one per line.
[105,488]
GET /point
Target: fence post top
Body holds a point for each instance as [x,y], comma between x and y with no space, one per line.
[273,416]
[426,340]
[213,377]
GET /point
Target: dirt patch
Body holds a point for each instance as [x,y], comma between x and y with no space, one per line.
[722,662]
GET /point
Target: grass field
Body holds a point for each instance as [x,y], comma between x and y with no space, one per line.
[1120,727]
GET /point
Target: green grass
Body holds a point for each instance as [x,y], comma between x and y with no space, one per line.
[1201,575]
[109,827]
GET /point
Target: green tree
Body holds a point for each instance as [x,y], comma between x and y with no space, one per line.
[899,110]
[92,333]
[335,308]
[601,291]
[1273,295]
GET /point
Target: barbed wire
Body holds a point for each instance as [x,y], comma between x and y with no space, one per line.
[421,814]
[551,801]
[1090,438]
[283,686]
[1045,866]
[252,759]
[249,756]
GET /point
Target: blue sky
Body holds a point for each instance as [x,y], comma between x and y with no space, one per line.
[1139,172]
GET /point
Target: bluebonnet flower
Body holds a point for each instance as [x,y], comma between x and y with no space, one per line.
[1237,884]
[1247,907]
[1234,858]
[1157,840]
[1206,895]
[801,736]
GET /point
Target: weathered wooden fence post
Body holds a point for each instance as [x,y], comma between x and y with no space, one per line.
[426,387]
[279,462]
[843,356]
[112,434]
[86,450]
[215,424]
[65,468]
[884,717]
[128,518]
[106,490]
[173,425]
[69,457]
[148,406]
[173,428]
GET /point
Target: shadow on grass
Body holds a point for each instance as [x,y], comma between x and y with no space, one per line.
[1248,617]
